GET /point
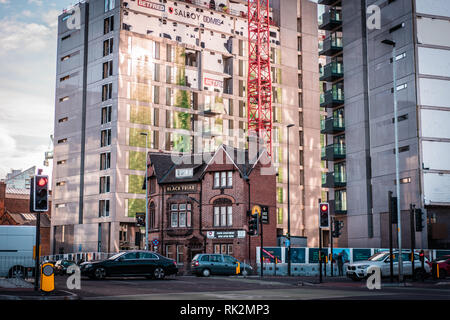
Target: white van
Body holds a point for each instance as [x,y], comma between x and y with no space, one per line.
[16,250]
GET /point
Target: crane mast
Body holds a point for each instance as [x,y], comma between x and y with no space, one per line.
[259,82]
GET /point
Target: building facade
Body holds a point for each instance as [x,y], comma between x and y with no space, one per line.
[361,121]
[204,206]
[137,76]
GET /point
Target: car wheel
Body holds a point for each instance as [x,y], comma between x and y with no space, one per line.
[355,278]
[244,273]
[17,272]
[206,272]
[159,273]
[100,273]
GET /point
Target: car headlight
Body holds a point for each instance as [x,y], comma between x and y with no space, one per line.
[363,266]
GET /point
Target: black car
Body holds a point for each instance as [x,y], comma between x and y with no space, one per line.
[62,265]
[130,264]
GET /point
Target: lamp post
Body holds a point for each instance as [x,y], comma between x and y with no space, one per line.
[289,203]
[397,174]
[146,190]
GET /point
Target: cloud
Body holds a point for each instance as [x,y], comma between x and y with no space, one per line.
[4,1]
[30,37]
[51,18]
[38,2]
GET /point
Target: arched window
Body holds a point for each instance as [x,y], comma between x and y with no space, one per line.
[223,212]
[151,218]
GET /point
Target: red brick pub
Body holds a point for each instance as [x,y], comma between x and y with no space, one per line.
[202,204]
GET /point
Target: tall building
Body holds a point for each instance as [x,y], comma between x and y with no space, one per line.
[360,123]
[173,74]
[20,179]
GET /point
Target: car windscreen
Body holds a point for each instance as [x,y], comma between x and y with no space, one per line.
[378,256]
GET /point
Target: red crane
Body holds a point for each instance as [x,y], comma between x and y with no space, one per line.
[259,83]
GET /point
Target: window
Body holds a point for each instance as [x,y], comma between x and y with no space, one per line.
[65,119]
[223,179]
[105,161]
[155,94]
[61,162]
[105,183]
[60,183]
[65,37]
[105,138]
[107,91]
[151,217]
[63,99]
[108,47]
[107,69]
[156,68]
[62,140]
[156,49]
[223,216]
[180,215]
[64,78]
[180,254]
[103,208]
[108,25]
[106,114]
[109,5]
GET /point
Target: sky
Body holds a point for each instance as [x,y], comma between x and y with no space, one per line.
[27,81]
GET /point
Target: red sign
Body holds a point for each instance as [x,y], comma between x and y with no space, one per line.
[268,253]
[151,5]
[213,83]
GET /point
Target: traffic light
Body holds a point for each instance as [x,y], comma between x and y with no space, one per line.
[422,256]
[393,210]
[39,194]
[324,211]
[419,220]
[253,225]
[338,225]
[140,219]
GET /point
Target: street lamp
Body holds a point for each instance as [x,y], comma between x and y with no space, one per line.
[397,174]
[289,203]
[146,190]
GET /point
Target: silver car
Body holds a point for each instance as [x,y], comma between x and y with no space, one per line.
[358,270]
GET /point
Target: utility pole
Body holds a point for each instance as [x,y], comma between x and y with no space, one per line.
[391,262]
[331,243]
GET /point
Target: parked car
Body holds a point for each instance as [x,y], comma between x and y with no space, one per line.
[444,266]
[130,263]
[62,265]
[220,264]
[358,270]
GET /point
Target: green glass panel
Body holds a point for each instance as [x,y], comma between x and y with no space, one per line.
[135,184]
[135,205]
[138,140]
[136,160]
[141,115]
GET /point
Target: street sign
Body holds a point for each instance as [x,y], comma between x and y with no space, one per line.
[155,242]
[256,210]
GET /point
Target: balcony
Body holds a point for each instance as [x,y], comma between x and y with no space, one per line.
[332,98]
[332,19]
[329,2]
[332,125]
[333,180]
[331,46]
[332,71]
[333,152]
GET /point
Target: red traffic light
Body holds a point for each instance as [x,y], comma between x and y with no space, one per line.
[324,207]
[42,182]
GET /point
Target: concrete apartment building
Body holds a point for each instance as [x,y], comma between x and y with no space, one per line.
[174,73]
[360,132]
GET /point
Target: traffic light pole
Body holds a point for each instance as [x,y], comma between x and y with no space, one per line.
[331,244]
[37,252]
[413,237]
[320,248]
[391,262]
[262,244]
